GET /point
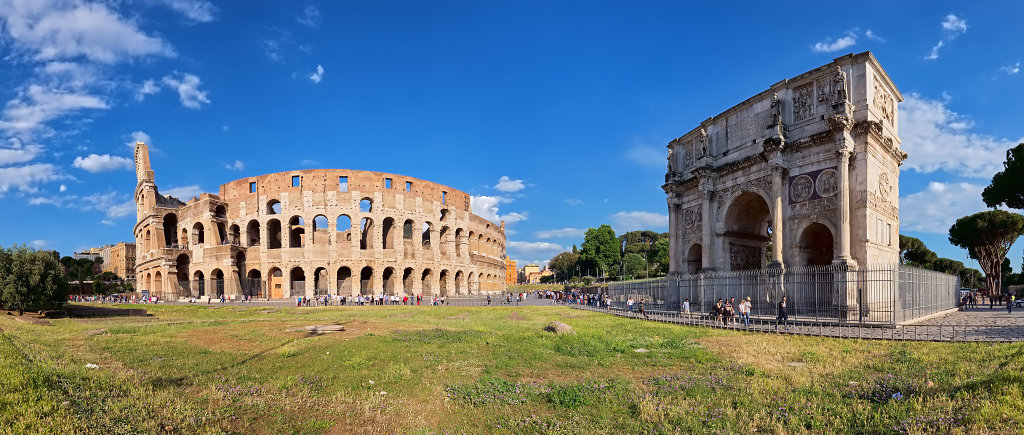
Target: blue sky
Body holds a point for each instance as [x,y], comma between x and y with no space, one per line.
[552,114]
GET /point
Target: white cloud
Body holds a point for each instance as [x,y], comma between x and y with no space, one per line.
[506,184]
[934,54]
[317,75]
[139,136]
[872,35]
[487,206]
[561,233]
[573,201]
[310,16]
[63,188]
[148,87]
[197,11]
[62,29]
[188,89]
[954,25]
[102,163]
[533,249]
[25,178]
[272,49]
[39,244]
[513,217]
[33,107]
[107,222]
[647,156]
[936,208]
[183,193]
[236,166]
[18,153]
[939,139]
[829,45]
[113,204]
[624,221]
[1011,69]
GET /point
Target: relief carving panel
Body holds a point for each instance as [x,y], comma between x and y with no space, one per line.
[802,102]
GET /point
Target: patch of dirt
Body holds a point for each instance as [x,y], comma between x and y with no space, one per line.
[571,316]
[33,319]
[515,317]
[460,316]
[218,338]
[267,311]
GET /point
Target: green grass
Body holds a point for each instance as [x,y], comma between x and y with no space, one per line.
[203,369]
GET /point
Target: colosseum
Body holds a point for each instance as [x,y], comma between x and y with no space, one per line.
[314,232]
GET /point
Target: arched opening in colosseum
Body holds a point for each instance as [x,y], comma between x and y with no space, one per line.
[458,242]
[694,258]
[366,281]
[297,280]
[472,283]
[254,284]
[218,282]
[366,233]
[365,205]
[183,287]
[426,289]
[158,284]
[200,283]
[220,212]
[273,234]
[147,242]
[198,235]
[344,281]
[487,246]
[320,230]
[240,272]
[442,283]
[816,246]
[407,281]
[235,234]
[171,229]
[407,240]
[320,281]
[388,279]
[444,214]
[344,226]
[444,237]
[252,232]
[459,284]
[479,244]
[275,283]
[746,231]
[147,283]
[425,235]
[388,233]
[184,238]
[472,242]
[222,234]
[296,232]
[273,207]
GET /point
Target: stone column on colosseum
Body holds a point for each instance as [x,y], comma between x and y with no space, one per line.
[777,228]
[707,228]
[840,125]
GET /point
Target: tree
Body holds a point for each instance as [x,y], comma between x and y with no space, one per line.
[563,263]
[600,249]
[1007,187]
[946,265]
[634,265]
[970,278]
[659,256]
[31,279]
[987,236]
[914,252]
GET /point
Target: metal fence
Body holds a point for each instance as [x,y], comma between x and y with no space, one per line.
[882,295]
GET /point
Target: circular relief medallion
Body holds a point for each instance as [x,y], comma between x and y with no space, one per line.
[690,218]
[827,183]
[801,189]
[884,185]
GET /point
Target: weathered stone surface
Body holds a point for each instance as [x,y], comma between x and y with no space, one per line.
[312,232]
[559,328]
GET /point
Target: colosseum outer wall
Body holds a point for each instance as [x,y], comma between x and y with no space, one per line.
[314,232]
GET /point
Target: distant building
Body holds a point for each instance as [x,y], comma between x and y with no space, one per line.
[86,255]
[524,273]
[510,271]
[120,259]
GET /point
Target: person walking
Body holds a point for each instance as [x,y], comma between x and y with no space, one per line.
[783,316]
[642,300]
[718,310]
[488,299]
[1009,304]
[629,304]
[686,306]
[745,312]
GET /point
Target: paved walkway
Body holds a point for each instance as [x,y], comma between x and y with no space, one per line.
[979,324]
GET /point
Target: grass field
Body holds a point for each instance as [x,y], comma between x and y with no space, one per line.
[200,369]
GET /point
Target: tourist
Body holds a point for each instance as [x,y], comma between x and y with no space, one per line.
[745,312]
[718,310]
[489,298]
[686,306]
[783,316]
[1009,304]
[629,304]
[730,311]
[642,300]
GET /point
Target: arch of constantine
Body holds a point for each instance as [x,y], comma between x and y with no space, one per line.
[314,232]
[805,173]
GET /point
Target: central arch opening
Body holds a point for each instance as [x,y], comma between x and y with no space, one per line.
[816,245]
[747,231]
